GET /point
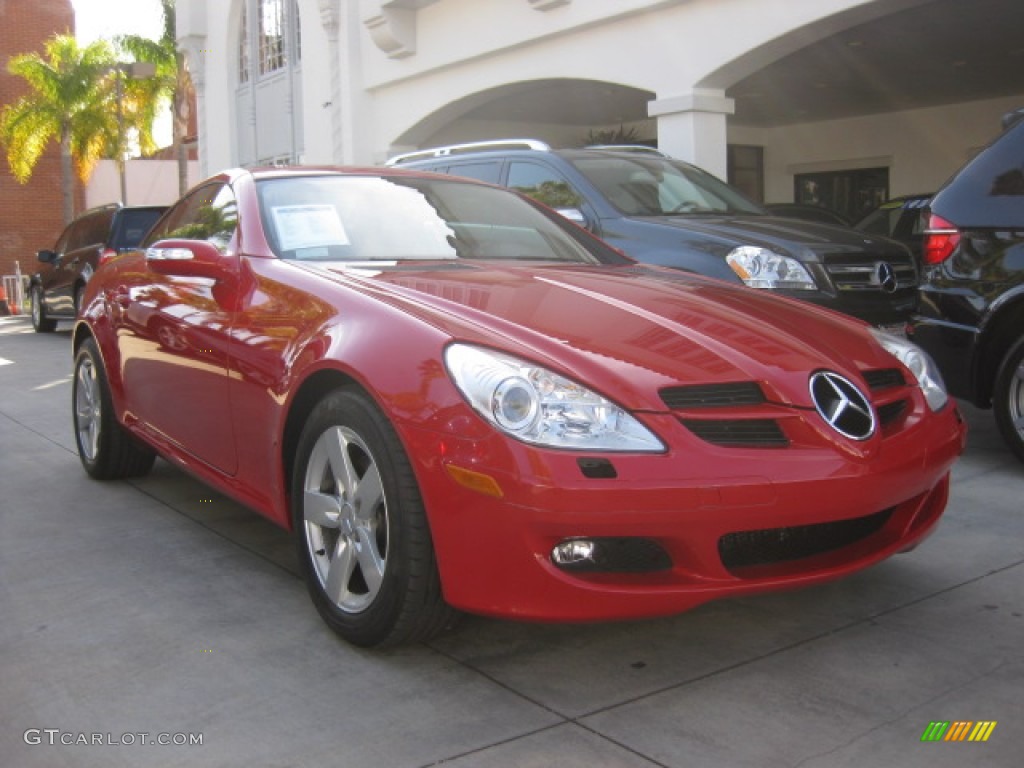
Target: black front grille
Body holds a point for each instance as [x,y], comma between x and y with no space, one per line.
[884,378]
[781,545]
[891,412]
[853,273]
[713,395]
[753,433]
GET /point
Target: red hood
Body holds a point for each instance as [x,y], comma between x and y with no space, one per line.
[648,328]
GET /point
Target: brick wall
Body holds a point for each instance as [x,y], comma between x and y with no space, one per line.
[30,214]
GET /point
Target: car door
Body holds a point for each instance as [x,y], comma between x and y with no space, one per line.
[86,240]
[175,334]
[50,263]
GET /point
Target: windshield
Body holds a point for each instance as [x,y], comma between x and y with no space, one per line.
[658,186]
[371,218]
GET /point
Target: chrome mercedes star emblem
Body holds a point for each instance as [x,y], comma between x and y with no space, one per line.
[886,277]
[841,404]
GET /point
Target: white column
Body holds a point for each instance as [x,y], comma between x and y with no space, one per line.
[693,126]
[194,48]
[330,19]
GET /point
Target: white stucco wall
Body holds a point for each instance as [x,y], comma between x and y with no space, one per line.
[921,147]
[379,76]
[149,182]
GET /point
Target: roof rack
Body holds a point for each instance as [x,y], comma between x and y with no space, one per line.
[642,149]
[475,146]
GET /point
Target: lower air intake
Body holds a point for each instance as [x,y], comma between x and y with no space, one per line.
[781,545]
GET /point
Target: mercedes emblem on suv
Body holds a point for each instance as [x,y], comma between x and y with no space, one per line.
[886,276]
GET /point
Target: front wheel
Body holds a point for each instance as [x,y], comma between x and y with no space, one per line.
[40,322]
[360,528]
[107,450]
[1008,399]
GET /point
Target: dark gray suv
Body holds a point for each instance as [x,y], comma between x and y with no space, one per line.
[663,211]
[94,236]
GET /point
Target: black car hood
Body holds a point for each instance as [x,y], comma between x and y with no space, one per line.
[781,234]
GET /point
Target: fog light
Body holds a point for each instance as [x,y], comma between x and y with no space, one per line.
[611,555]
[573,552]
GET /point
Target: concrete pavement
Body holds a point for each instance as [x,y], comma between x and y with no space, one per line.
[158,607]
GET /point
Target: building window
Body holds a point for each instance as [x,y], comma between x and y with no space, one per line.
[852,193]
[745,169]
[268,105]
[271,35]
[243,47]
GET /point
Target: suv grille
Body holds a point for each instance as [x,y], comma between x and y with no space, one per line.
[850,273]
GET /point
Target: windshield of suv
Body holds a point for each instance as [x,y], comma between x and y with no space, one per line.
[659,186]
[370,218]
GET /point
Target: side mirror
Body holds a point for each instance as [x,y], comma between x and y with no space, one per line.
[188,258]
[575,215]
[46,256]
[1010,119]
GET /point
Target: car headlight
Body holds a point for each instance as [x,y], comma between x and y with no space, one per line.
[761,268]
[920,364]
[538,406]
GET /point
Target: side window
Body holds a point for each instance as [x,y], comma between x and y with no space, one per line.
[487,171]
[542,184]
[62,242]
[210,213]
[89,230]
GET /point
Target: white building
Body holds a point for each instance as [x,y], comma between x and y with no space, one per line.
[861,98]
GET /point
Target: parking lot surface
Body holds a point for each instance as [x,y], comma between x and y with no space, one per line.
[156,623]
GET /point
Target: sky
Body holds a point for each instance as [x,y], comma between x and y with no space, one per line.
[106,18]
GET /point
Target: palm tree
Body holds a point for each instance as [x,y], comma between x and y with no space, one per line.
[171,82]
[68,101]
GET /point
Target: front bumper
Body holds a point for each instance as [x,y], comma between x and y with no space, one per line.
[725,517]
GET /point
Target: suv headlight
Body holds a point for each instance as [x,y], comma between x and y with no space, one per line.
[761,268]
[920,364]
[537,406]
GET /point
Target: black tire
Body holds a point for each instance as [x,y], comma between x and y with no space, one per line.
[1008,399]
[40,322]
[362,536]
[107,450]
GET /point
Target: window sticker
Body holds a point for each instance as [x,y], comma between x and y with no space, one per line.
[308,226]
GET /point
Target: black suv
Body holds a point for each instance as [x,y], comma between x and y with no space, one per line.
[663,211]
[96,235]
[972,295]
[900,219]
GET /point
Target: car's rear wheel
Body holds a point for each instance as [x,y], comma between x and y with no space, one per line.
[40,322]
[107,450]
[360,527]
[1008,399]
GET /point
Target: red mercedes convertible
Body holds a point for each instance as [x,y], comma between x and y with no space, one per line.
[458,400]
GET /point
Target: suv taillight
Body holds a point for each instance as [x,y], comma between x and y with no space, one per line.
[940,240]
[106,255]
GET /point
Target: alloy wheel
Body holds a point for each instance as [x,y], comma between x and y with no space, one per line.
[88,409]
[345,519]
